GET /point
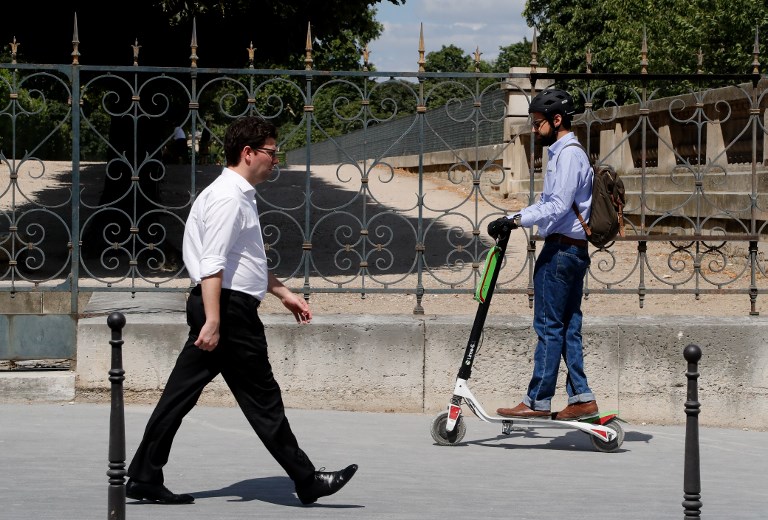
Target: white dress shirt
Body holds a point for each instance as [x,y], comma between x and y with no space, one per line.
[223,233]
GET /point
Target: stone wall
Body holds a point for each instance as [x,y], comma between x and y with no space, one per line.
[409,364]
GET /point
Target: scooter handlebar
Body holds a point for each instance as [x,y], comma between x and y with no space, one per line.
[503,226]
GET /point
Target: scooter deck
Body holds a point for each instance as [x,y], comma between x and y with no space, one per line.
[600,418]
[594,425]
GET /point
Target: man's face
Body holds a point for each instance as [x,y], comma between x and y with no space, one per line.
[543,129]
[262,160]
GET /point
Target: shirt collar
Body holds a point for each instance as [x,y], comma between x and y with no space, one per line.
[239,181]
[560,143]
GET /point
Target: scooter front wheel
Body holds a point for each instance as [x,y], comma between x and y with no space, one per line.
[442,436]
[609,446]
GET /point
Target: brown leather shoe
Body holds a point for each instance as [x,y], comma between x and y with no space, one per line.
[522,412]
[576,411]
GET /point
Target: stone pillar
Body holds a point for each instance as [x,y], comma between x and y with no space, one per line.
[666,150]
[606,152]
[516,167]
[515,156]
[627,163]
[716,145]
[615,149]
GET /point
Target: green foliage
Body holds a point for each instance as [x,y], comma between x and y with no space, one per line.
[448,59]
[513,55]
[392,99]
[40,108]
[683,37]
[439,92]
[344,105]
[94,123]
[277,31]
[340,30]
[224,30]
[612,30]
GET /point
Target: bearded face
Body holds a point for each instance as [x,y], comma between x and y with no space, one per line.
[549,137]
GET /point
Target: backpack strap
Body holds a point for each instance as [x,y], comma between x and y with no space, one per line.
[581,219]
[573,204]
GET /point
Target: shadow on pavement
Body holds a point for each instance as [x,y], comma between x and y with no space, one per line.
[571,441]
[275,490]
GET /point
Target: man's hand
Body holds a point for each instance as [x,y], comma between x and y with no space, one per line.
[298,306]
[293,302]
[208,339]
[503,225]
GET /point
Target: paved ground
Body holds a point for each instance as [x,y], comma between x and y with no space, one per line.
[54,459]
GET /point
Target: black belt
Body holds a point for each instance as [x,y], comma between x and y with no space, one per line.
[557,238]
[197,290]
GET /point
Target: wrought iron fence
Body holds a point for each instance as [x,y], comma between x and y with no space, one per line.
[94,189]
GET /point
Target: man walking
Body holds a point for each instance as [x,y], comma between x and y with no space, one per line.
[225,256]
[560,267]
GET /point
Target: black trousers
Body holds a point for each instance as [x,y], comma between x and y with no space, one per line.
[241,358]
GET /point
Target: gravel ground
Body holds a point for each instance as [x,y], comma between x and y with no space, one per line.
[442,193]
[397,190]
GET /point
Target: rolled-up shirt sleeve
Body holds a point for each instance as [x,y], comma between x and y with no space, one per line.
[220,227]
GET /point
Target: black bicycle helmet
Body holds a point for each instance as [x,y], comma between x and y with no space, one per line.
[553,101]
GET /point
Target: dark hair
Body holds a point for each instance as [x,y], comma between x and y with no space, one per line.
[247,131]
[554,101]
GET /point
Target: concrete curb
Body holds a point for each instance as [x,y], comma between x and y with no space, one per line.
[37,386]
[399,363]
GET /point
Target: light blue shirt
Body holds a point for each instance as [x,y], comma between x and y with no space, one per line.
[568,178]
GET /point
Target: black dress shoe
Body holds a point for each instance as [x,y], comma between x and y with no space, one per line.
[155,492]
[324,483]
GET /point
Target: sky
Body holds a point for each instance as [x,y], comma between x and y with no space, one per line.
[488,24]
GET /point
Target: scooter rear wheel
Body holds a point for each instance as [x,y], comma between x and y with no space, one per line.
[615,444]
[442,436]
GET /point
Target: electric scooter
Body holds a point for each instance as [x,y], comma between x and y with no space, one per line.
[448,428]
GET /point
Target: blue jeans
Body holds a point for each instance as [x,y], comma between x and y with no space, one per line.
[558,280]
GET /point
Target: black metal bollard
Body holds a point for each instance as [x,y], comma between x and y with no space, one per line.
[692,476]
[116,473]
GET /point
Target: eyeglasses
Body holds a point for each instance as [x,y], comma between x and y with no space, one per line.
[272,152]
[536,123]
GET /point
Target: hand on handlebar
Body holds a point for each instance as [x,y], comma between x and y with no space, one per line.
[503,225]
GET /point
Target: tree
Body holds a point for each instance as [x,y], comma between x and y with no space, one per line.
[613,31]
[513,55]
[448,59]
[225,28]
